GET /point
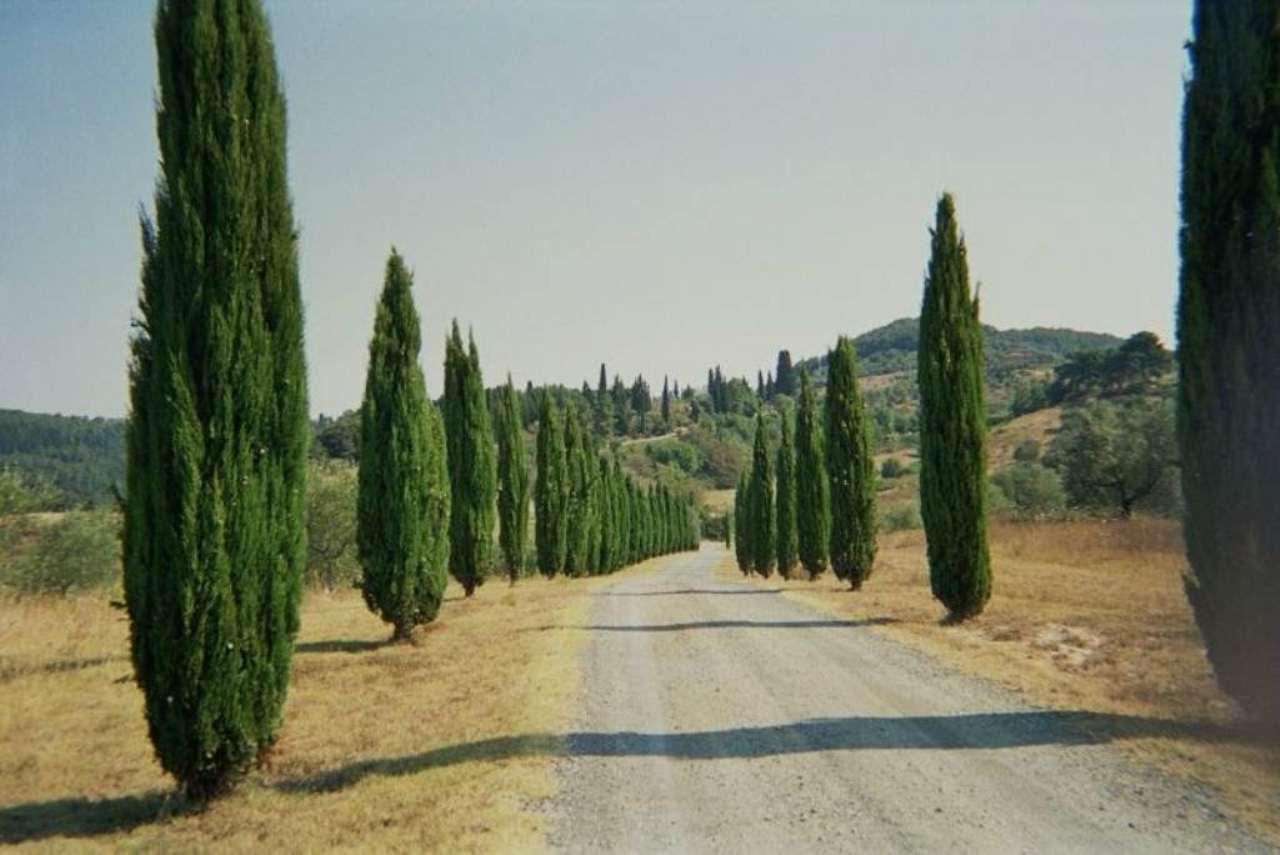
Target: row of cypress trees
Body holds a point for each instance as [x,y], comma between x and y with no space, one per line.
[825,508]
[591,517]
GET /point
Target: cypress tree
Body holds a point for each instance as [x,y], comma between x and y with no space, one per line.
[578,507]
[850,470]
[513,482]
[813,495]
[551,492]
[742,520]
[760,505]
[621,407]
[214,537]
[472,464]
[784,380]
[1229,345]
[953,426]
[760,390]
[402,531]
[666,403]
[604,406]
[786,501]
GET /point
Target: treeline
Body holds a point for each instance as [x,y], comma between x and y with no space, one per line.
[812,503]
[81,458]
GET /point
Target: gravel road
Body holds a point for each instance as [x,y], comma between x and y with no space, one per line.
[720,717]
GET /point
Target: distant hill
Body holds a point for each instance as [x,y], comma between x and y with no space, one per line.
[892,348]
[82,457]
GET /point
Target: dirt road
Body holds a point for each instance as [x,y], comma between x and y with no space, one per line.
[722,717]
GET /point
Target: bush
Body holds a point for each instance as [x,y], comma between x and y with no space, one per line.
[901,518]
[675,452]
[331,525]
[892,468]
[24,493]
[1031,489]
[79,552]
[1028,451]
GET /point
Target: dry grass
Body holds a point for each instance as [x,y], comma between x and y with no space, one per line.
[383,747]
[1086,615]
[1005,439]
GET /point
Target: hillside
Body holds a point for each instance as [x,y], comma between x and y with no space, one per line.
[82,457]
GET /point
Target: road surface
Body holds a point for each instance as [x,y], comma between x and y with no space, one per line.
[721,717]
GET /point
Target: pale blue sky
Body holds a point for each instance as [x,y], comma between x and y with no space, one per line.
[660,186]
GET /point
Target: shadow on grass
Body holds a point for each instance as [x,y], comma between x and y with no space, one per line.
[14,670]
[88,817]
[688,592]
[972,731]
[75,818]
[343,646]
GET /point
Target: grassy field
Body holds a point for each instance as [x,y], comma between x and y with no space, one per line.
[1086,615]
[383,746]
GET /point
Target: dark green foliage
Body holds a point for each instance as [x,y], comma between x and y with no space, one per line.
[603,406]
[1229,344]
[813,493]
[953,426]
[666,403]
[1132,368]
[551,491]
[579,510]
[786,501]
[214,536]
[760,512]
[1028,451]
[338,439]
[892,468]
[1032,490]
[513,482]
[472,464]
[82,458]
[742,523]
[850,470]
[403,507]
[784,380]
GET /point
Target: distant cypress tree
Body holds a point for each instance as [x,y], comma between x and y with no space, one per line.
[641,402]
[786,501]
[603,406]
[768,386]
[578,509]
[666,402]
[742,520]
[513,482]
[760,492]
[850,469]
[621,407]
[1229,345]
[608,516]
[760,390]
[529,405]
[214,536]
[784,379]
[472,464]
[403,500]
[551,492]
[953,426]
[813,495]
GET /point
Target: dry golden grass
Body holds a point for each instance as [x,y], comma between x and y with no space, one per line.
[1005,439]
[719,501]
[1085,615]
[406,747]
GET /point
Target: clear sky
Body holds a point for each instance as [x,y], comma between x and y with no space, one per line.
[662,186]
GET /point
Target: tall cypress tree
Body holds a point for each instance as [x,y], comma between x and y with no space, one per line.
[1229,345]
[813,494]
[784,381]
[214,539]
[666,403]
[786,501]
[850,470]
[578,508]
[403,500]
[953,426]
[742,523]
[551,491]
[603,406]
[513,482]
[760,504]
[472,464]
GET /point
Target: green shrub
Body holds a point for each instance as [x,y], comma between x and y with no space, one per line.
[1028,451]
[331,525]
[79,552]
[901,518]
[675,452]
[892,468]
[1031,489]
[22,493]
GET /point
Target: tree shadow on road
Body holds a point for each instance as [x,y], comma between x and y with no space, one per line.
[733,624]
[684,592]
[79,817]
[342,646]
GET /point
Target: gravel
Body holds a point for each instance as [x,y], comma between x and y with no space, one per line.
[723,717]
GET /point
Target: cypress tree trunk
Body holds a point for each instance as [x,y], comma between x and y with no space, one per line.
[1229,345]
[760,503]
[813,494]
[214,541]
[513,482]
[551,492]
[403,503]
[850,469]
[472,464]
[786,525]
[953,426]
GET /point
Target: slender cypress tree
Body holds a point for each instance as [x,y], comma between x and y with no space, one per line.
[953,426]
[666,403]
[551,491]
[403,502]
[742,520]
[578,506]
[760,505]
[472,464]
[813,494]
[850,469]
[784,381]
[513,482]
[603,406]
[786,503]
[214,539]
[1229,345]
[760,390]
